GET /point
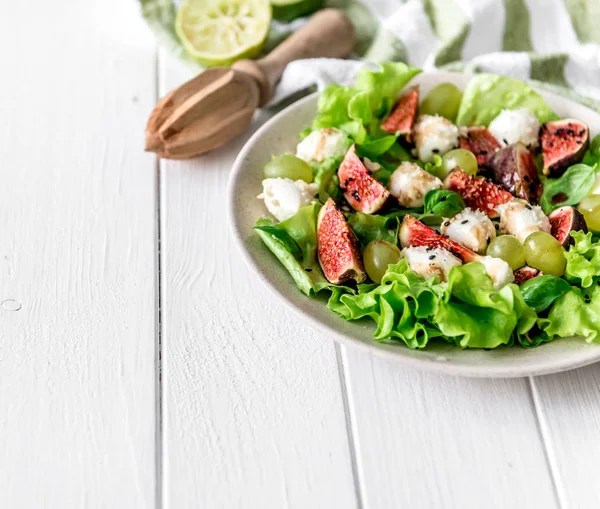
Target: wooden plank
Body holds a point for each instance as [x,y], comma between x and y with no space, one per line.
[252,406]
[569,409]
[430,441]
[77,257]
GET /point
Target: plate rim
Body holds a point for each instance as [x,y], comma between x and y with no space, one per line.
[373,347]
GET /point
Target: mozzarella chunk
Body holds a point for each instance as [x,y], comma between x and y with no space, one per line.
[409,184]
[434,135]
[511,126]
[519,218]
[322,144]
[471,228]
[283,197]
[428,262]
[498,270]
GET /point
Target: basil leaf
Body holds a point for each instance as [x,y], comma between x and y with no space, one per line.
[442,203]
[569,189]
[541,291]
[374,148]
[285,238]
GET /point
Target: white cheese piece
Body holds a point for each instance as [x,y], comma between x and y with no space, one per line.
[519,218]
[283,197]
[498,270]
[511,126]
[427,262]
[409,184]
[434,135]
[471,228]
[322,144]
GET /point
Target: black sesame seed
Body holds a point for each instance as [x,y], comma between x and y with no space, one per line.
[308,270]
[504,140]
[464,222]
[443,198]
[447,223]
[436,150]
[528,207]
[431,257]
[388,282]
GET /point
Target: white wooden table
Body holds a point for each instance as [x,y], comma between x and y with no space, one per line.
[142,366]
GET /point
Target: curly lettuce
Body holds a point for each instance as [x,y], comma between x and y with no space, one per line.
[583,260]
[488,94]
[466,311]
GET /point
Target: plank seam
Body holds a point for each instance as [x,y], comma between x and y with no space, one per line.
[549,454]
[158,314]
[349,425]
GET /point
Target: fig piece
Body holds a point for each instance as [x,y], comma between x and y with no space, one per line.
[480,141]
[564,143]
[362,191]
[563,221]
[477,192]
[400,121]
[514,169]
[414,233]
[337,247]
[525,274]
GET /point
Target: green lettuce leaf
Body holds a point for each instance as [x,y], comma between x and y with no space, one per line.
[326,179]
[583,260]
[441,203]
[569,188]
[576,313]
[302,228]
[467,310]
[359,109]
[488,94]
[592,155]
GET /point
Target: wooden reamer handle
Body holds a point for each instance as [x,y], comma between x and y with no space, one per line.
[328,34]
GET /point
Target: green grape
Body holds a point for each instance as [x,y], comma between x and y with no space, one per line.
[377,256]
[462,158]
[443,100]
[509,249]
[288,166]
[545,253]
[590,208]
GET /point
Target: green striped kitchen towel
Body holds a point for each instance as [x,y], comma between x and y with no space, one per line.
[553,42]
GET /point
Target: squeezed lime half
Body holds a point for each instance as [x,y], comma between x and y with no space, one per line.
[219,32]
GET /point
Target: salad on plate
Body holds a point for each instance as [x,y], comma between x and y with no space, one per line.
[469,217]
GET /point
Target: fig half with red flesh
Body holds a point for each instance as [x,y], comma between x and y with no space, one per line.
[477,192]
[414,233]
[362,191]
[513,167]
[400,121]
[564,143]
[525,274]
[337,247]
[480,141]
[563,221]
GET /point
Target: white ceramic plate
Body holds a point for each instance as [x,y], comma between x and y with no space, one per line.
[279,135]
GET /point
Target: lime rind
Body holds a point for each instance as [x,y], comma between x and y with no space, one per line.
[220,32]
[288,10]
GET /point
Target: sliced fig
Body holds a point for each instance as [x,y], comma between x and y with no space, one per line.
[477,192]
[414,233]
[362,191]
[400,121]
[564,220]
[480,141]
[514,169]
[564,143]
[338,250]
[525,274]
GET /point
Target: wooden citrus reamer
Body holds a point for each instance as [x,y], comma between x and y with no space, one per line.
[212,108]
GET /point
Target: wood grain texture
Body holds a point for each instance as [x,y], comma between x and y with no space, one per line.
[429,441]
[77,253]
[569,409]
[252,408]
